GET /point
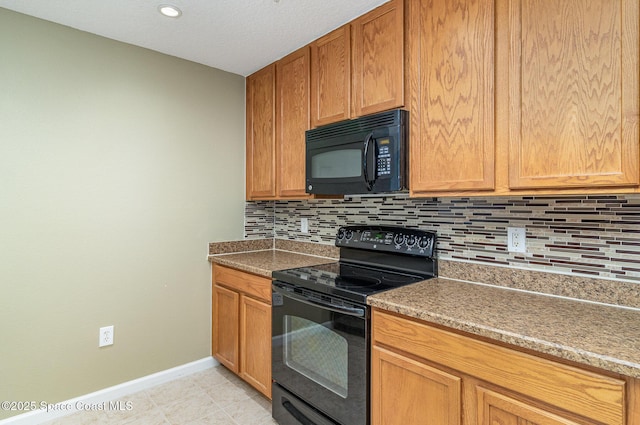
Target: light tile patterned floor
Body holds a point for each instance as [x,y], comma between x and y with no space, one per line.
[211,397]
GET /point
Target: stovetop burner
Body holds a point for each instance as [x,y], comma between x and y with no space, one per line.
[372,260]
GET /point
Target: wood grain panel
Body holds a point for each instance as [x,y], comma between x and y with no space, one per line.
[585,393]
[451,77]
[292,120]
[406,392]
[255,337]
[224,328]
[378,59]
[573,93]
[260,126]
[250,284]
[331,77]
[495,408]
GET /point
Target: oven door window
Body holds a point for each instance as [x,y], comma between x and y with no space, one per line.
[317,353]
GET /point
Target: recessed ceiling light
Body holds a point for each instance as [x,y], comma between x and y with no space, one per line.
[170,10]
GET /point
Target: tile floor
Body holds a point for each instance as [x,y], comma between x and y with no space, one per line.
[211,397]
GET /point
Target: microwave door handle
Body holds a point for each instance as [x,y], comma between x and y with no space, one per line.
[366,164]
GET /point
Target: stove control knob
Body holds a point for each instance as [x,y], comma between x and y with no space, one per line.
[398,239]
[340,233]
[424,242]
[411,240]
[349,234]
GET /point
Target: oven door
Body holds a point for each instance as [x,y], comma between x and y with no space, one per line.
[319,354]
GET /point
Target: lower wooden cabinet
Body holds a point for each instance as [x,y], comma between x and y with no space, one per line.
[422,374]
[241,325]
[406,391]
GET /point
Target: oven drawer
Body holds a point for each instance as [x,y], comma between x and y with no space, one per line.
[290,410]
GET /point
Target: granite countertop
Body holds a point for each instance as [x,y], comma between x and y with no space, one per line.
[603,336]
[532,310]
[266,261]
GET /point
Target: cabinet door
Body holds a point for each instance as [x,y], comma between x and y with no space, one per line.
[331,77]
[573,93]
[450,49]
[495,408]
[255,334]
[406,392]
[292,118]
[378,59]
[261,177]
[225,327]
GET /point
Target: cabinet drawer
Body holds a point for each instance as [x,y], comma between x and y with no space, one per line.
[578,391]
[247,283]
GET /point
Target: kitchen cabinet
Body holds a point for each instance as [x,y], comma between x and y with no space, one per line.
[260,137]
[378,59]
[277,117]
[241,325]
[404,390]
[292,120]
[331,77]
[450,50]
[358,69]
[515,97]
[572,94]
[464,378]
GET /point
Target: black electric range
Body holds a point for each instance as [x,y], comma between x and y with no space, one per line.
[321,328]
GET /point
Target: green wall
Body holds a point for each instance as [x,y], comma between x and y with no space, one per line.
[118,165]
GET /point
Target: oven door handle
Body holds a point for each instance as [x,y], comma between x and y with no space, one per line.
[351,311]
[298,415]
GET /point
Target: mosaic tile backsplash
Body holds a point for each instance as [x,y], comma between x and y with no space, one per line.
[595,236]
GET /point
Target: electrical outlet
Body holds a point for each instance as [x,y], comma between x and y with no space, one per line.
[105,336]
[517,239]
[304,225]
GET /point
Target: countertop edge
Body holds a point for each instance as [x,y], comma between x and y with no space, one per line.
[515,340]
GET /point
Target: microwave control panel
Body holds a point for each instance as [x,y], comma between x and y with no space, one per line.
[384,157]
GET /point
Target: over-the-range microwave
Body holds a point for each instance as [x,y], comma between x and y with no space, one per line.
[359,156]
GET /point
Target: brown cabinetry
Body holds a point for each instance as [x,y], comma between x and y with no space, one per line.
[261,131]
[331,77]
[378,59]
[515,97]
[573,93]
[450,49]
[463,377]
[241,325]
[292,120]
[277,117]
[358,69]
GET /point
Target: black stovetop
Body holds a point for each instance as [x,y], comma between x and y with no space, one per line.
[349,281]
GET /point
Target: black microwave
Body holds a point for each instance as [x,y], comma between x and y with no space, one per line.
[359,156]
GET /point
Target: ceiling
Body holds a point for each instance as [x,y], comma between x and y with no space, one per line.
[239,36]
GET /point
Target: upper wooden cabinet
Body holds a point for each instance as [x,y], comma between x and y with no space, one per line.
[572,81]
[450,50]
[515,97]
[277,117]
[358,69]
[378,59]
[260,126]
[331,77]
[292,120]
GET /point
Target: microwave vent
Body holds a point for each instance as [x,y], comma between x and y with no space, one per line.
[363,124]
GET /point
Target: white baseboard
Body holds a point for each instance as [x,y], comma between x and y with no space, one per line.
[105,395]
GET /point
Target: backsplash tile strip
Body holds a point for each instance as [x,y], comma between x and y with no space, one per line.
[592,236]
